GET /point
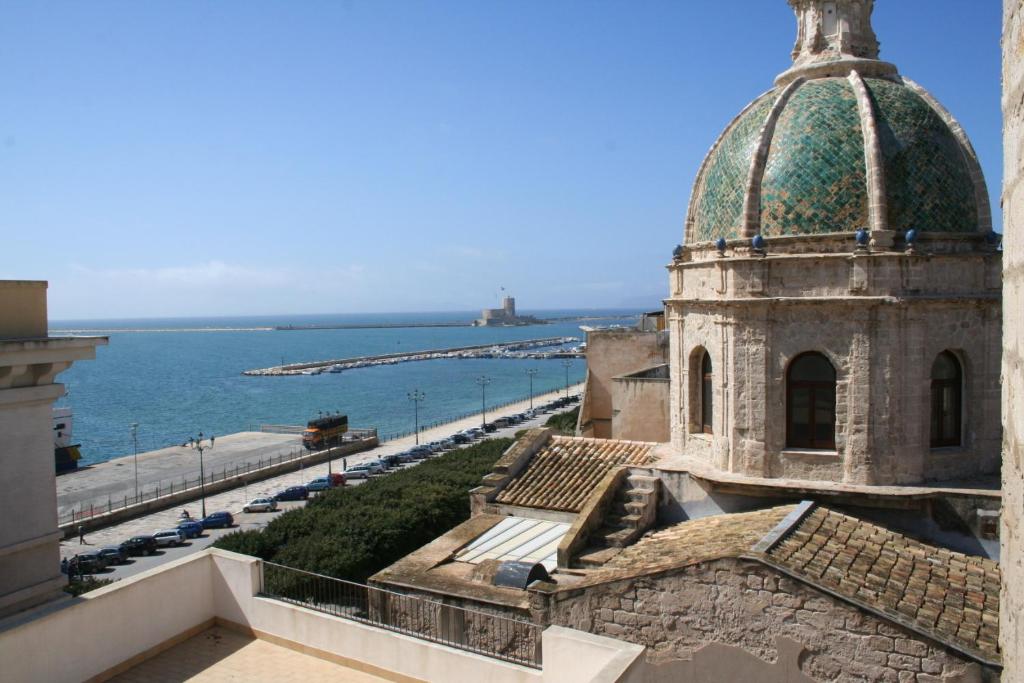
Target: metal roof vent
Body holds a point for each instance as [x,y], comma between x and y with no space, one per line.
[514,574]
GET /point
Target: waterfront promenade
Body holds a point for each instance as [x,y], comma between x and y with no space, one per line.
[234,499]
[109,483]
[115,479]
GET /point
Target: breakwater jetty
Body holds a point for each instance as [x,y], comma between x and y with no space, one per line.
[371,326]
[518,349]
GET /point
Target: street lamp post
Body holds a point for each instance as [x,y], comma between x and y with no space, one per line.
[135,456]
[567,364]
[416,396]
[483,381]
[531,372]
[198,444]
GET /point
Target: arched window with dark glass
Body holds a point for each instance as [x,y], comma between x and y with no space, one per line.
[811,402]
[707,404]
[947,387]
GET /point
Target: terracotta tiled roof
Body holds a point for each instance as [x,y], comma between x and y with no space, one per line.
[562,474]
[952,597]
[700,540]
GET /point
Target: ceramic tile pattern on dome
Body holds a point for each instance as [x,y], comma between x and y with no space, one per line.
[952,597]
[567,469]
[928,184]
[718,202]
[815,180]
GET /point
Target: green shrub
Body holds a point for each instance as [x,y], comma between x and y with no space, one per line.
[564,423]
[354,532]
[85,584]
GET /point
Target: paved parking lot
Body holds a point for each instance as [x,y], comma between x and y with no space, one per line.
[234,500]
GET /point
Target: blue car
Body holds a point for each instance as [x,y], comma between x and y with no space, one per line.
[216,520]
[191,528]
[292,493]
[320,484]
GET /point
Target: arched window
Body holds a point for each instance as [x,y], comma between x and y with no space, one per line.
[811,402]
[707,404]
[947,386]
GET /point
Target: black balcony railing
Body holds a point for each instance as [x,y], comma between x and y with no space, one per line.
[492,635]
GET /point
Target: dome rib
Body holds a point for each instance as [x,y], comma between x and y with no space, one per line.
[967,149]
[752,199]
[874,163]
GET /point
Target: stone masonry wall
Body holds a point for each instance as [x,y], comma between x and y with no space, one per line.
[748,605]
[1012,554]
[881,319]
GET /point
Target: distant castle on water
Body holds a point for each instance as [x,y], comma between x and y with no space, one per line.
[505,316]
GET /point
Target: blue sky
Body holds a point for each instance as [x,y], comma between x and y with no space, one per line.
[235,158]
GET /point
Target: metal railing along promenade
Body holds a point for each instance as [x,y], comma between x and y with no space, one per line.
[483,633]
[166,487]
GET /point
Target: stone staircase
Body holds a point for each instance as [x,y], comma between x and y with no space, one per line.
[632,512]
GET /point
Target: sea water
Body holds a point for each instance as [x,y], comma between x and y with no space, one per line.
[177,377]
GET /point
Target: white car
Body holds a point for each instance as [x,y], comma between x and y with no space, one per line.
[260,505]
[169,537]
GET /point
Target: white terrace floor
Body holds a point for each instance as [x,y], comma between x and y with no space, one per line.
[219,654]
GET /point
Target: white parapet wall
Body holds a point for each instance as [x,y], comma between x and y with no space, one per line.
[115,627]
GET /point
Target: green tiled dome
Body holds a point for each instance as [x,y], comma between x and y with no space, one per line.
[813,177]
[717,202]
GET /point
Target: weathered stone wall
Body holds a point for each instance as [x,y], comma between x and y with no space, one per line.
[881,319]
[640,408]
[1012,607]
[611,353]
[745,604]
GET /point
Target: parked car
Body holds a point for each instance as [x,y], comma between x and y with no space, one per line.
[217,520]
[448,443]
[460,438]
[142,544]
[476,432]
[420,452]
[88,562]
[319,484]
[490,427]
[502,422]
[169,537]
[358,472]
[114,554]
[260,505]
[435,446]
[191,528]
[395,459]
[292,493]
[337,478]
[377,467]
